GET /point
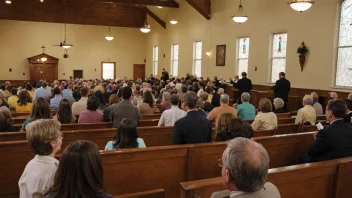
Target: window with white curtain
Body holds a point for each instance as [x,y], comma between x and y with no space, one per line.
[197,58]
[242,55]
[155,60]
[174,59]
[278,55]
[344,49]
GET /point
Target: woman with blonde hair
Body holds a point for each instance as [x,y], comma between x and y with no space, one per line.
[265,119]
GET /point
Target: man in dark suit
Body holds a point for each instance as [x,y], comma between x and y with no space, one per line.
[334,141]
[164,75]
[243,85]
[281,89]
[193,128]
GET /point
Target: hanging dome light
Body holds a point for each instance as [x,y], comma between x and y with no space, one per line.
[109,37]
[301,5]
[173,21]
[146,27]
[241,16]
[8,1]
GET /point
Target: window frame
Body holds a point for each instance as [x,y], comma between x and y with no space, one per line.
[238,54]
[276,58]
[172,59]
[155,60]
[102,69]
[195,58]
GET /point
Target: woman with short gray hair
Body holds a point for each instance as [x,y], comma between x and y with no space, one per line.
[307,114]
[278,105]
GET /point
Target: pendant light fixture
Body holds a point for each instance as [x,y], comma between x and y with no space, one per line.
[65,44]
[109,37]
[8,1]
[301,5]
[173,20]
[146,27]
[241,16]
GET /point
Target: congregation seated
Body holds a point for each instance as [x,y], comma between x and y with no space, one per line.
[265,119]
[193,128]
[30,89]
[45,140]
[126,137]
[124,109]
[55,101]
[147,107]
[205,104]
[170,116]
[40,110]
[166,102]
[224,108]
[6,122]
[228,127]
[307,114]
[333,95]
[80,173]
[245,165]
[182,93]
[3,103]
[92,114]
[64,113]
[335,141]
[113,99]
[12,100]
[246,110]
[44,91]
[99,94]
[215,101]
[81,105]
[137,98]
[316,105]
[348,115]
[209,90]
[24,102]
[279,106]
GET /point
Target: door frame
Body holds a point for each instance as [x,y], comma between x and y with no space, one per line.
[101,71]
[73,73]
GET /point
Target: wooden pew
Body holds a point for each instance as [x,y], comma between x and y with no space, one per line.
[151,116]
[287,129]
[285,121]
[135,170]
[152,136]
[283,115]
[152,122]
[66,127]
[321,179]
[283,150]
[263,133]
[159,193]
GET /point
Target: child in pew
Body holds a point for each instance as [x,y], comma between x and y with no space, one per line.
[80,173]
[126,137]
[45,140]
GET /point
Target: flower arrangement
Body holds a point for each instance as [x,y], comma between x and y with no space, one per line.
[302,49]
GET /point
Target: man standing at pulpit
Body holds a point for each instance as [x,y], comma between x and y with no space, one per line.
[243,85]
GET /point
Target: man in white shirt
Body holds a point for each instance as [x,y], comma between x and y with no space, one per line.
[170,116]
[45,140]
[81,105]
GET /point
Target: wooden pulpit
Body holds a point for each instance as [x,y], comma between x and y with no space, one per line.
[43,67]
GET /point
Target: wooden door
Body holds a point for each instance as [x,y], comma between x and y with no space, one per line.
[138,71]
[50,72]
[37,72]
[46,72]
[77,74]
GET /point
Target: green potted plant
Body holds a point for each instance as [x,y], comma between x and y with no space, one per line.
[302,51]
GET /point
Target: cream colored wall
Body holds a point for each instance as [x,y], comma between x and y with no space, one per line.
[20,40]
[316,27]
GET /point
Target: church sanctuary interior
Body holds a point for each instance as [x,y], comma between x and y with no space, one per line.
[176,98]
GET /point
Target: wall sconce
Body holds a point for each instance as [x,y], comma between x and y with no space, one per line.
[24,73]
[95,70]
[10,70]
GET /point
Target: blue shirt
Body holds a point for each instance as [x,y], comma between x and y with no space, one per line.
[42,92]
[246,111]
[67,92]
[54,102]
[109,146]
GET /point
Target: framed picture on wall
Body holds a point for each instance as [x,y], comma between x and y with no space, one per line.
[220,55]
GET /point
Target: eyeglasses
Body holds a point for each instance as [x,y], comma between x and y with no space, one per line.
[220,163]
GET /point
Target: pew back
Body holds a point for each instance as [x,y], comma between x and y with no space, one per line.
[159,193]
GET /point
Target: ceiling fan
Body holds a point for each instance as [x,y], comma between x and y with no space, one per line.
[64,44]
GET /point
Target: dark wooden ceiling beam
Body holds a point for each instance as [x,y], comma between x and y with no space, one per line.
[202,6]
[170,3]
[156,18]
